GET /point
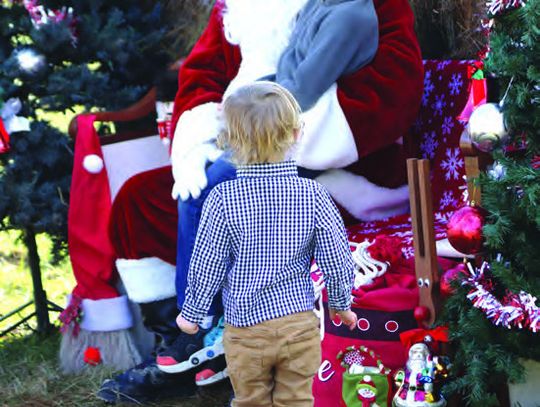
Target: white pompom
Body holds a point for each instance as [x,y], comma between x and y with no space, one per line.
[93,163]
[166,141]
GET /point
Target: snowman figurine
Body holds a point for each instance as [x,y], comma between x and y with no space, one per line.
[367,392]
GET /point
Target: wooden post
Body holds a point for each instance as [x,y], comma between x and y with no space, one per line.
[425,254]
[40,297]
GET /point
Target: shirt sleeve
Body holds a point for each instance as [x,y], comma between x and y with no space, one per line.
[332,252]
[208,69]
[210,259]
[345,41]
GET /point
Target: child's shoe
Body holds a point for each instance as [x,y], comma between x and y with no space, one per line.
[213,345]
[177,357]
[214,371]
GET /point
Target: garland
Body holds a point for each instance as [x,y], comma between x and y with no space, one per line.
[498,6]
[514,311]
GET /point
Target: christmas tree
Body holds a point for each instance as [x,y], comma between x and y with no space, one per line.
[493,318]
[56,59]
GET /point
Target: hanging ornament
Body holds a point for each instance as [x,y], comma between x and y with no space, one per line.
[445,284]
[464,229]
[10,122]
[30,62]
[486,127]
[497,171]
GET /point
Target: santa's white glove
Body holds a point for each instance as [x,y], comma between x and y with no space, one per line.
[190,173]
[195,127]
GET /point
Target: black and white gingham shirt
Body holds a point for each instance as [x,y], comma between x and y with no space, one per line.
[256,239]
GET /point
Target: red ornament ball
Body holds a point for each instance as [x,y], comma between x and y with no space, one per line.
[448,276]
[464,229]
[92,356]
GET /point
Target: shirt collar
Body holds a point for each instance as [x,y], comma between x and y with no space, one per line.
[281,169]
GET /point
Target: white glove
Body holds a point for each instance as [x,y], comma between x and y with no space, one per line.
[190,173]
[196,126]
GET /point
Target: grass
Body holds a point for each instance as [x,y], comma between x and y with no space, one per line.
[29,372]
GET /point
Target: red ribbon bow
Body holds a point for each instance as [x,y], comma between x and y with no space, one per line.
[409,338]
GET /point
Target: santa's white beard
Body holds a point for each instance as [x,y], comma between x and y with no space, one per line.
[416,366]
[262,29]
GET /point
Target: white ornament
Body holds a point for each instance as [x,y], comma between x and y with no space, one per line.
[30,61]
[487,128]
[93,163]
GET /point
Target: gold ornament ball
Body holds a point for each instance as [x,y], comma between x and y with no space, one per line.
[487,128]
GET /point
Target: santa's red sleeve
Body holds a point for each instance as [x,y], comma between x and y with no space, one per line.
[381,100]
[208,69]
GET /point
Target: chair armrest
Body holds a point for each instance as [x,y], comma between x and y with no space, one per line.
[136,111]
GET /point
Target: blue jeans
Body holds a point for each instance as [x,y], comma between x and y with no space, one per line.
[189,216]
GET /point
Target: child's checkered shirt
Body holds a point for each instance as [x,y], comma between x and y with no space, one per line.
[256,239]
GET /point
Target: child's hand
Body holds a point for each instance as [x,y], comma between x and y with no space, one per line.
[186,326]
[348,317]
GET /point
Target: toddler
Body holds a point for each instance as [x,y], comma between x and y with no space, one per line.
[257,236]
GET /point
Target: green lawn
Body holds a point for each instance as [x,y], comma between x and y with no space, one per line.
[29,373]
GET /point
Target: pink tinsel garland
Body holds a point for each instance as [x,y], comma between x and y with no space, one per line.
[515,310]
[498,6]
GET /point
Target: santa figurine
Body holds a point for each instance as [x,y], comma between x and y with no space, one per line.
[417,383]
[353,144]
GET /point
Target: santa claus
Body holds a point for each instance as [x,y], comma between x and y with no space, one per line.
[353,144]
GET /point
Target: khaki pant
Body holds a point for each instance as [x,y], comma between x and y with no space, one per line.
[273,363]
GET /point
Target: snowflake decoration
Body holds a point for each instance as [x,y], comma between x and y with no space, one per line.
[443,64]
[452,163]
[455,84]
[443,217]
[447,125]
[353,357]
[428,88]
[447,200]
[429,145]
[439,104]
[408,252]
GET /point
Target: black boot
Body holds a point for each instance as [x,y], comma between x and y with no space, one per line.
[145,382]
[159,317]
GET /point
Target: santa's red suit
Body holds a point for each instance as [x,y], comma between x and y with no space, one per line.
[357,132]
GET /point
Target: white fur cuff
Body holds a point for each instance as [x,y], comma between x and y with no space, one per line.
[328,140]
[147,280]
[109,314]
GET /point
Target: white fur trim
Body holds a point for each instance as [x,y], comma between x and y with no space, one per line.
[148,279]
[109,314]
[363,199]
[327,141]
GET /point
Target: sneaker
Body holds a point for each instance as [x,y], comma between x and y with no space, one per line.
[214,371]
[213,345]
[179,357]
[145,383]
